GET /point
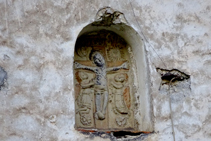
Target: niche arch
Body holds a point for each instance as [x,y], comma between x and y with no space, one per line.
[142,118]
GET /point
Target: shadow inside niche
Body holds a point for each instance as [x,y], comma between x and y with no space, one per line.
[121,134]
[130,136]
[117,135]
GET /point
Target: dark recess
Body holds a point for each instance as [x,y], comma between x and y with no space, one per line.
[172,75]
[121,134]
[3,76]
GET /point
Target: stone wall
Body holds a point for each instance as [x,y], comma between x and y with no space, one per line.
[37,40]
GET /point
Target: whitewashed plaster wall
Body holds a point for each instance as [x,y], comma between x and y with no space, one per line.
[37,39]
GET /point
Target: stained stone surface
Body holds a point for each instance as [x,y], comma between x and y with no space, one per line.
[37,40]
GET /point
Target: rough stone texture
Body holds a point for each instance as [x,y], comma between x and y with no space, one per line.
[37,41]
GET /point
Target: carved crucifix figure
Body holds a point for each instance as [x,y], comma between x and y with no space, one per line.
[100,88]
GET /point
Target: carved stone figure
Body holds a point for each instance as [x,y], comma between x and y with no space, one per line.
[84,98]
[118,91]
[120,98]
[100,88]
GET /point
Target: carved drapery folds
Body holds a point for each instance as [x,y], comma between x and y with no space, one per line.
[103,83]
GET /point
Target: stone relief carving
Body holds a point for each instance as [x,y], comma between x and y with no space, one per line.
[121,121]
[100,88]
[84,98]
[115,50]
[102,85]
[118,93]
[120,98]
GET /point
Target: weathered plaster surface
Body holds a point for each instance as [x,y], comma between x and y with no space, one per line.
[37,41]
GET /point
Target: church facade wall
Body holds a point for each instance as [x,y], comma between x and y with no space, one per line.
[37,42]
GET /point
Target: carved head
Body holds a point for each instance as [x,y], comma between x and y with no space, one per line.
[97,59]
[120,77]
[83,75]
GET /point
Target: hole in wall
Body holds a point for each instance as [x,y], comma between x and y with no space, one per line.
[124,134]
[174,83]
[171,76]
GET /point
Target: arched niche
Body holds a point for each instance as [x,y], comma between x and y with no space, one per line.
[141,120]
